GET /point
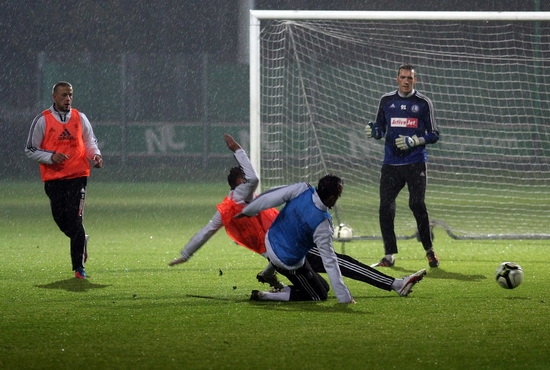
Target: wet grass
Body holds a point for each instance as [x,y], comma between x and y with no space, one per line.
[135,312]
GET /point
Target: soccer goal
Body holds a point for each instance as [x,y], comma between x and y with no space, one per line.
[316,78]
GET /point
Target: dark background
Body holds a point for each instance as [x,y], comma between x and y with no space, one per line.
[208,32]
[163,26]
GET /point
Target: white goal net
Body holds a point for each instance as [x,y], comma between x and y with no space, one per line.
[316,80]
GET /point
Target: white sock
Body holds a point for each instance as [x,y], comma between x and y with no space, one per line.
[282,295]
[397,284]
[276,296]
[389,257]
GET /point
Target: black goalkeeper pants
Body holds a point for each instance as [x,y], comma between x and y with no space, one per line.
[67,202]
[392,180]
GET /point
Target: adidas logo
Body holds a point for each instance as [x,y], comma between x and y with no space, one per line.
[65,135]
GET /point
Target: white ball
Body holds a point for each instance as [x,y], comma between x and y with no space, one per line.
[509,275]
[343,232]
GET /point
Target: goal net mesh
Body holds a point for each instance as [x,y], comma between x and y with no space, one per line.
[488,176]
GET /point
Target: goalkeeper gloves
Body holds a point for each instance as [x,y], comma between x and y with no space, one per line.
[407,142]
[372,131]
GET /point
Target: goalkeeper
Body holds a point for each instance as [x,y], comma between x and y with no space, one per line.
[249,232]
[405,119]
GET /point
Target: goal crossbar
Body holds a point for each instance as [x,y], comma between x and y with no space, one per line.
[397,15]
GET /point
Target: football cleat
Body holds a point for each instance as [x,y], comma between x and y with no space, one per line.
[384,262]
[271,280]
[80,273]
[410,281]
[257,295]
[433,261]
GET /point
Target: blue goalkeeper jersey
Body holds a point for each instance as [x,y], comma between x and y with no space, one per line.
[407,116]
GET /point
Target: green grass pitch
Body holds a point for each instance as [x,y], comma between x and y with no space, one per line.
[135,312]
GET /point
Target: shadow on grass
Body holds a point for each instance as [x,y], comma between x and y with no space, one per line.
[288,306]
[439,273]
[209,297]
[72,285]
[308,306]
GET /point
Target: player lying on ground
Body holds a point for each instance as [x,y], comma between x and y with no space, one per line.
[250,232]
[304,223]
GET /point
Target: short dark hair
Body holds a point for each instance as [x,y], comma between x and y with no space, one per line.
[61,83]
[235,173]
[330,185]
[407,67]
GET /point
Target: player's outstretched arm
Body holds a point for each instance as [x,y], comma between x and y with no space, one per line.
[231,143]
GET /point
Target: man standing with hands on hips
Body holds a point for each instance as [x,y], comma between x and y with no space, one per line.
[406,120]
[61,139]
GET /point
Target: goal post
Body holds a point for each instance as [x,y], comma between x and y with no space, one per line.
[315,81]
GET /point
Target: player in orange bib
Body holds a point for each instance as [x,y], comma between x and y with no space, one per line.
[250,232]
[61,139]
